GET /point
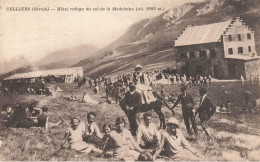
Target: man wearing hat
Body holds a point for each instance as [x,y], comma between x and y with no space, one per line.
[139,76]
[206,110]
[187,109]
[176,147]
[132,101]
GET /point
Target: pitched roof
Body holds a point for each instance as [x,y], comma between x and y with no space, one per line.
[55,72]
[202,34]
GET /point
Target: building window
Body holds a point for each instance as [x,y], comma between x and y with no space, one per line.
[229,37]
[239,37]
[203,54]
[248,36]
[230,51]
[249,48]
[213,53]
[183,55]
[192,54]
[240,50]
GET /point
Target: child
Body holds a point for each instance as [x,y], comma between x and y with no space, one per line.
[107,128]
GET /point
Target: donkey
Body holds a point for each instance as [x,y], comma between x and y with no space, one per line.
[154,105]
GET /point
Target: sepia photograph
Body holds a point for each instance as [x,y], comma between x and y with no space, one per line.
[129,80]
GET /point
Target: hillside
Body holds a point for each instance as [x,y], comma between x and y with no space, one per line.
[55,60]
[66,57]
[150,41]
[12,65]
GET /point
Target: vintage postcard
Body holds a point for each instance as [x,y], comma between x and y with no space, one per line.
[129,80]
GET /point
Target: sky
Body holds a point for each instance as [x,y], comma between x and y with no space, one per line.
[33,34]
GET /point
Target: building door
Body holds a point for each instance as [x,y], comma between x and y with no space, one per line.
[69,79]
[232,70]
[199,70]
[216,72]
[185,68]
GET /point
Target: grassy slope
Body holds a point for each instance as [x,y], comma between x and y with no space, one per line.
[233,133]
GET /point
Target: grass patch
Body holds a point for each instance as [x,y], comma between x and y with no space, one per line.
[232,133]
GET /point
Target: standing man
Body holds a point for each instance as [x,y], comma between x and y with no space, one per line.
[148,137]
[132,102]
[206,110]
[187,109]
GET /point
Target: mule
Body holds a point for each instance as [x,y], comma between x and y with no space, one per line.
[131,114]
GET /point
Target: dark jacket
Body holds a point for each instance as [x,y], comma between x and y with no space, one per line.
[186,102]
[207,109]
[133,100]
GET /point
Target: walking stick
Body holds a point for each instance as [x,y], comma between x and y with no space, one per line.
[65,121]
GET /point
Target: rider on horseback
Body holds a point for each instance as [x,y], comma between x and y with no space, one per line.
[139,76]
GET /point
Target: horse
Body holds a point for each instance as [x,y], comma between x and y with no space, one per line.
[154,105]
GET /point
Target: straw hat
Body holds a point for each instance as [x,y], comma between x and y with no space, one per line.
[138,67]
[173,121]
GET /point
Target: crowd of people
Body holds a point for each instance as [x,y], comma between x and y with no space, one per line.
[149,142]
[26,115]
[26,86]
[120,143]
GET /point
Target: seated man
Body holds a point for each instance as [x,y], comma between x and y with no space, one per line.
[92,132]
[42,119]
[7,115]
[21,118]
[73,137]
[175,145]
[148,137]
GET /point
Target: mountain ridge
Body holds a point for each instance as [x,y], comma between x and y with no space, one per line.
[151,41]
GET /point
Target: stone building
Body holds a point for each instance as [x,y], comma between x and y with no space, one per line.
[223,50]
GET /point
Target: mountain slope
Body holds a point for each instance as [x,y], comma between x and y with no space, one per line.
[7,66]
[66,57]
[150,41]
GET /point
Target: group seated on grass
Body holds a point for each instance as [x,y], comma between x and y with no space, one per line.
[119,142]
[85,138]
[24,115]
